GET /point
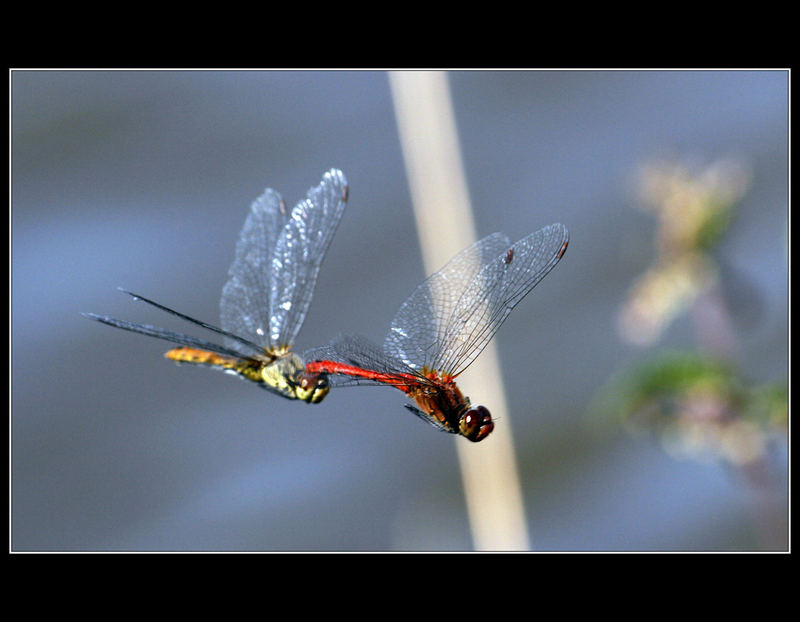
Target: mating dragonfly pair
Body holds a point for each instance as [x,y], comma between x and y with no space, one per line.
[442,327]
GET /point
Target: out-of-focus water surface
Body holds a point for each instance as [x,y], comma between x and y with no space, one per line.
[143,179]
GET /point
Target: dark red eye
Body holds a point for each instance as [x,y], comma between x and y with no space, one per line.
[308,380]
[476,424]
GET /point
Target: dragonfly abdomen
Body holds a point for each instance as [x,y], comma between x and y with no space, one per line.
[195,356]
[200,357]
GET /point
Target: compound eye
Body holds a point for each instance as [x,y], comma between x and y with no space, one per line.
[312,388]
[307,381]
[476,424]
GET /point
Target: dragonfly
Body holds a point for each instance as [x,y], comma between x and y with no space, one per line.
[267,295]
[442,328]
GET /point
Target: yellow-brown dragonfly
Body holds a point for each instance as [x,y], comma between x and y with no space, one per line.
[267,295]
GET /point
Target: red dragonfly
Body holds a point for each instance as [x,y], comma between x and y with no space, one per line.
[443,326]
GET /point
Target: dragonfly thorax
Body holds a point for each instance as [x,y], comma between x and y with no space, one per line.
[447,408]
[288,376]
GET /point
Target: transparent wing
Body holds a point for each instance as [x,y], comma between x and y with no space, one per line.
[298,255]
[420,329]
[244,306]
[166,335]
[277,260]
[497,289]
[234,342]
[473,307]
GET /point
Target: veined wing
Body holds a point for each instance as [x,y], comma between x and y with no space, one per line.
[244,307]
[499,286]
[277,260]
[298,255]
[421,329]
[234,342]
[166,335]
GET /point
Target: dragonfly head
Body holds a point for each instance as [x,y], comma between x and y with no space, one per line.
[311,388]
[475,423]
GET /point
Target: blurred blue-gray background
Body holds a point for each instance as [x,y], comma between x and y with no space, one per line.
[143,179]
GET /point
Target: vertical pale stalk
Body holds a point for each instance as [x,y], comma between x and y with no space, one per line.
[445,226]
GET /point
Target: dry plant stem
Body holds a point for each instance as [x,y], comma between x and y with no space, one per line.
[445,226]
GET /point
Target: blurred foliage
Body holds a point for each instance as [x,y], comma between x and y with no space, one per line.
[699,405]
[694,209]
